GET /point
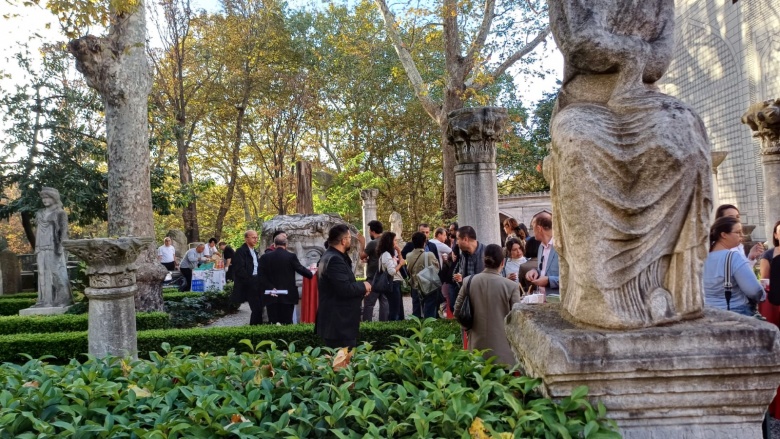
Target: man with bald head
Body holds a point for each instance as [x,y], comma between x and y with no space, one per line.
[246,287]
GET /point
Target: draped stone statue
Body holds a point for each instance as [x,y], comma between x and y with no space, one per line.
[52,229]
[630,169]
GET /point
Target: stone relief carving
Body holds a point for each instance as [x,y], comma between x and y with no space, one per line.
[306,236]
[632,161]
[474,133]
[764,119]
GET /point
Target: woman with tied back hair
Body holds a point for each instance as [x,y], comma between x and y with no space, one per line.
[391,261]
[725,234]
[755,252]
[492,297]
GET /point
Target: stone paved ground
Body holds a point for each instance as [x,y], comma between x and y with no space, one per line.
[242,316]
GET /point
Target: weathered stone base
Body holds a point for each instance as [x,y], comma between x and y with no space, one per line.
[708,378]
[44,311]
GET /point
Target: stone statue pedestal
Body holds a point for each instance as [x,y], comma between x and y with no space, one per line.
[111,267]
[44,311]
[710,378]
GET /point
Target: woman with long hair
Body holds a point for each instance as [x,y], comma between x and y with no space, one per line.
[391,261]
[726,234]
[513,259]
[511,228]
[492,297]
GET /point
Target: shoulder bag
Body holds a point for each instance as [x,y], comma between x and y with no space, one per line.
[428,278]
[464,314]
[382,282]
[727,285]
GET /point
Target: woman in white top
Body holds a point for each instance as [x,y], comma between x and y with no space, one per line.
[514,255]
[391,261]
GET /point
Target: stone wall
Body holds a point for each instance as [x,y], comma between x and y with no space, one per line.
[523,207]
[727,56]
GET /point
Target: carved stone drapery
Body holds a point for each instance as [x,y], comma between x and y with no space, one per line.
[111,267]
[764,119]
[474,132]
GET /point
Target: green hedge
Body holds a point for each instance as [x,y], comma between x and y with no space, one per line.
[71,323]
[175,296]
[20,296]
[218,340]
[11,307]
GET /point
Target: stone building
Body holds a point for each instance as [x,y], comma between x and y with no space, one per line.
[727,56]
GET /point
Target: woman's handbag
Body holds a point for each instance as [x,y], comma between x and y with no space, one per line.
[382,282]
[464,314]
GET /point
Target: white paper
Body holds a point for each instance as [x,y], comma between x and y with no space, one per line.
[277,292]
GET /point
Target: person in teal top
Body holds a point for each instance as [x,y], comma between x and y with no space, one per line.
[726,234]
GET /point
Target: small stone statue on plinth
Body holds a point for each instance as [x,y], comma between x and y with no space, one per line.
[54,296]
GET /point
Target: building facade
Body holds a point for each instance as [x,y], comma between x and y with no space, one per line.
[726,57]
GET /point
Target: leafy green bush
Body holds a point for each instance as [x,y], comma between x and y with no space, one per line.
[193,309]
[219,340]
[11,307]
[176,296]
[69,323]
[20,296]
[417,389]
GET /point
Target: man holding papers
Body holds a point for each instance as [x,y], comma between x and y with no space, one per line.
[277,277]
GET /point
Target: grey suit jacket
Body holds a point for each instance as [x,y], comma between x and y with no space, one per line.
[553,271]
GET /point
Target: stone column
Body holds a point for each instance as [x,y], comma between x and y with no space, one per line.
[764,119]
[369,207]
[111,267]
[717,159]
[474,133]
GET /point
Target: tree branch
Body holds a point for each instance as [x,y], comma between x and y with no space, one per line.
[420,88]
[482,33]
[528,48]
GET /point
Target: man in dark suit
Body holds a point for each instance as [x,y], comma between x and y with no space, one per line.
[247,282]
[338,315]
[277,272]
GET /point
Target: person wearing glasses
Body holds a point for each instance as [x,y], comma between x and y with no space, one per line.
[725,234]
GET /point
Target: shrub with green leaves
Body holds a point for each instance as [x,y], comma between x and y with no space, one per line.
[11,307]
[69,323]
[193,309]
[19,296]
[415,389]
[219,340]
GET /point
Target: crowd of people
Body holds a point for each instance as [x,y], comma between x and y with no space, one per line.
[495,276]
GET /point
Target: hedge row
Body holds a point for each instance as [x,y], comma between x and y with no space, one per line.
[218,340]
[19,296]
[70,323]
[11,305]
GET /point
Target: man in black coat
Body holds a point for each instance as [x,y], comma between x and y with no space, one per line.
[338,314]
[277,272]
[247,281]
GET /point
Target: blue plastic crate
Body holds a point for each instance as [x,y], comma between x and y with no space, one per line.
[198,285]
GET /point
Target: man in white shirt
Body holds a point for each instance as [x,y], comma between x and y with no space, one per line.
[191,260]
[166,253]
[439,236]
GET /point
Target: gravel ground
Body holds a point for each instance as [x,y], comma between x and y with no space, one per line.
[241,318]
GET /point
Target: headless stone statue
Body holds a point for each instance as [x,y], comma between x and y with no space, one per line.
[52,229]
[630,169]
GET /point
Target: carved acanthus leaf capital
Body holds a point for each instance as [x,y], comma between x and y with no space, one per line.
[369,195]
[474,133]
[764,119]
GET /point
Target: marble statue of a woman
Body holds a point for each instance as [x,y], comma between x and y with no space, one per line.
[630,166]
[52,229]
